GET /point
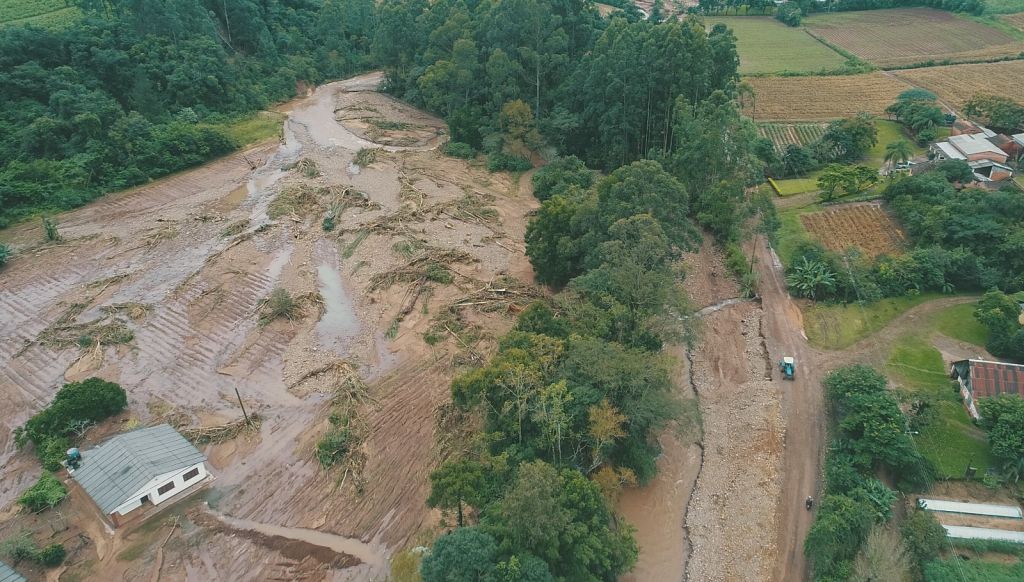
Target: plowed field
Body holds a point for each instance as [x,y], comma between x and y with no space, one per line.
[1017,20]
[955,84]
[822,98]
[894,38]
[864,226]
[784,134]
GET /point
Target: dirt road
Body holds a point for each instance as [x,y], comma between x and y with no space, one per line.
[803,407]
[162,289]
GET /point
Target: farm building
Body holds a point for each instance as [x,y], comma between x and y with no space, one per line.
[139,469]
[7,574]
[983,379]
[980,150]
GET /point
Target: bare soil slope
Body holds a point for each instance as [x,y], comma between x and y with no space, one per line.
[186,264]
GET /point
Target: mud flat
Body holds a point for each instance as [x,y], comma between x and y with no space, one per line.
[187,264]
[733,511]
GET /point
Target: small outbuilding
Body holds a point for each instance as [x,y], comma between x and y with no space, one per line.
[139,469]
[7,574]
[983,379]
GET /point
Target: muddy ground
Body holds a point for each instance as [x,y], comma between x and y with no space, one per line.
[186,264]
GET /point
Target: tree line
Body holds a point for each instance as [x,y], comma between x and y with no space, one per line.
[792,12]
[851,537]
[139,88]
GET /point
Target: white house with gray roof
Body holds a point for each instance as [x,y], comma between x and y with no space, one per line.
[140,468]
[8,574]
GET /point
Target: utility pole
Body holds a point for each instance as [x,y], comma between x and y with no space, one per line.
[246,416]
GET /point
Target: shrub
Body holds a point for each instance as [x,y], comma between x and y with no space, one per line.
[438,274]
[77,404]
[50,230]
[789,14]
[46,493]
[51,556]
[923,535]
[336,443]
[365,157]
[458,149]
[279,304]
[18,547]
[499,161]
[5,254]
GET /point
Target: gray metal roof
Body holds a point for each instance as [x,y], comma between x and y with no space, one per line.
[117,469]
[7,574]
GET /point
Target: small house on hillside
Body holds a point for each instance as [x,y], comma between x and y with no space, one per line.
[139,469]
[7,574]
[983,379]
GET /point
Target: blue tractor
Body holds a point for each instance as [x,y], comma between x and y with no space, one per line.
[788,367]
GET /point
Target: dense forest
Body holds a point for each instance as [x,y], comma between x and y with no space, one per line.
[141,88]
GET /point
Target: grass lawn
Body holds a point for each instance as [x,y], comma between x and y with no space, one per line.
[888,132]
[958,323]
[791,231]
[978,570]
[766,45]
[835,327]
[255,128]
[1003,6]
[949,439]
[793,186]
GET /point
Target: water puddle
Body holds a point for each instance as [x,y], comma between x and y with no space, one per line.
[278,262]
[339,321]
[235,198]
[372,555]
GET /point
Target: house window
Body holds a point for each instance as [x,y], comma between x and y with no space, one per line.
[165,488]
[191,474]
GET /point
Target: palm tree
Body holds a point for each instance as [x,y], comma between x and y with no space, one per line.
[898,152]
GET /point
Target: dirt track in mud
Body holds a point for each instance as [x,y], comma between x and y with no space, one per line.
[186,264]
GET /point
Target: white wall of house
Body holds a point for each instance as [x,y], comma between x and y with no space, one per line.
[968,398]
[152,490]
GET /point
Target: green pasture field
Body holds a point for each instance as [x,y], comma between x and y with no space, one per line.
[768,46]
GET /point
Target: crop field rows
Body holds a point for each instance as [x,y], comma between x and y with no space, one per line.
[822,98]
[45,13]
[902,37]
[1015,20]
[955,84]
[785,134]
[864,226]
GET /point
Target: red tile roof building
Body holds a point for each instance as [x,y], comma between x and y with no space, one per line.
[984,379]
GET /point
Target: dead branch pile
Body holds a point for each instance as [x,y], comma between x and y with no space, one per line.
[65,332]
[348,196]
[455,429]
[220,433]
[429,264]
[308,168]
[507,295]
[474,207]
[294,199]
[134,310]
[313,299]
[339,378]
[409,193]
[450,324]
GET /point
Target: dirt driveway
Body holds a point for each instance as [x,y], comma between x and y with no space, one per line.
[803,406]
